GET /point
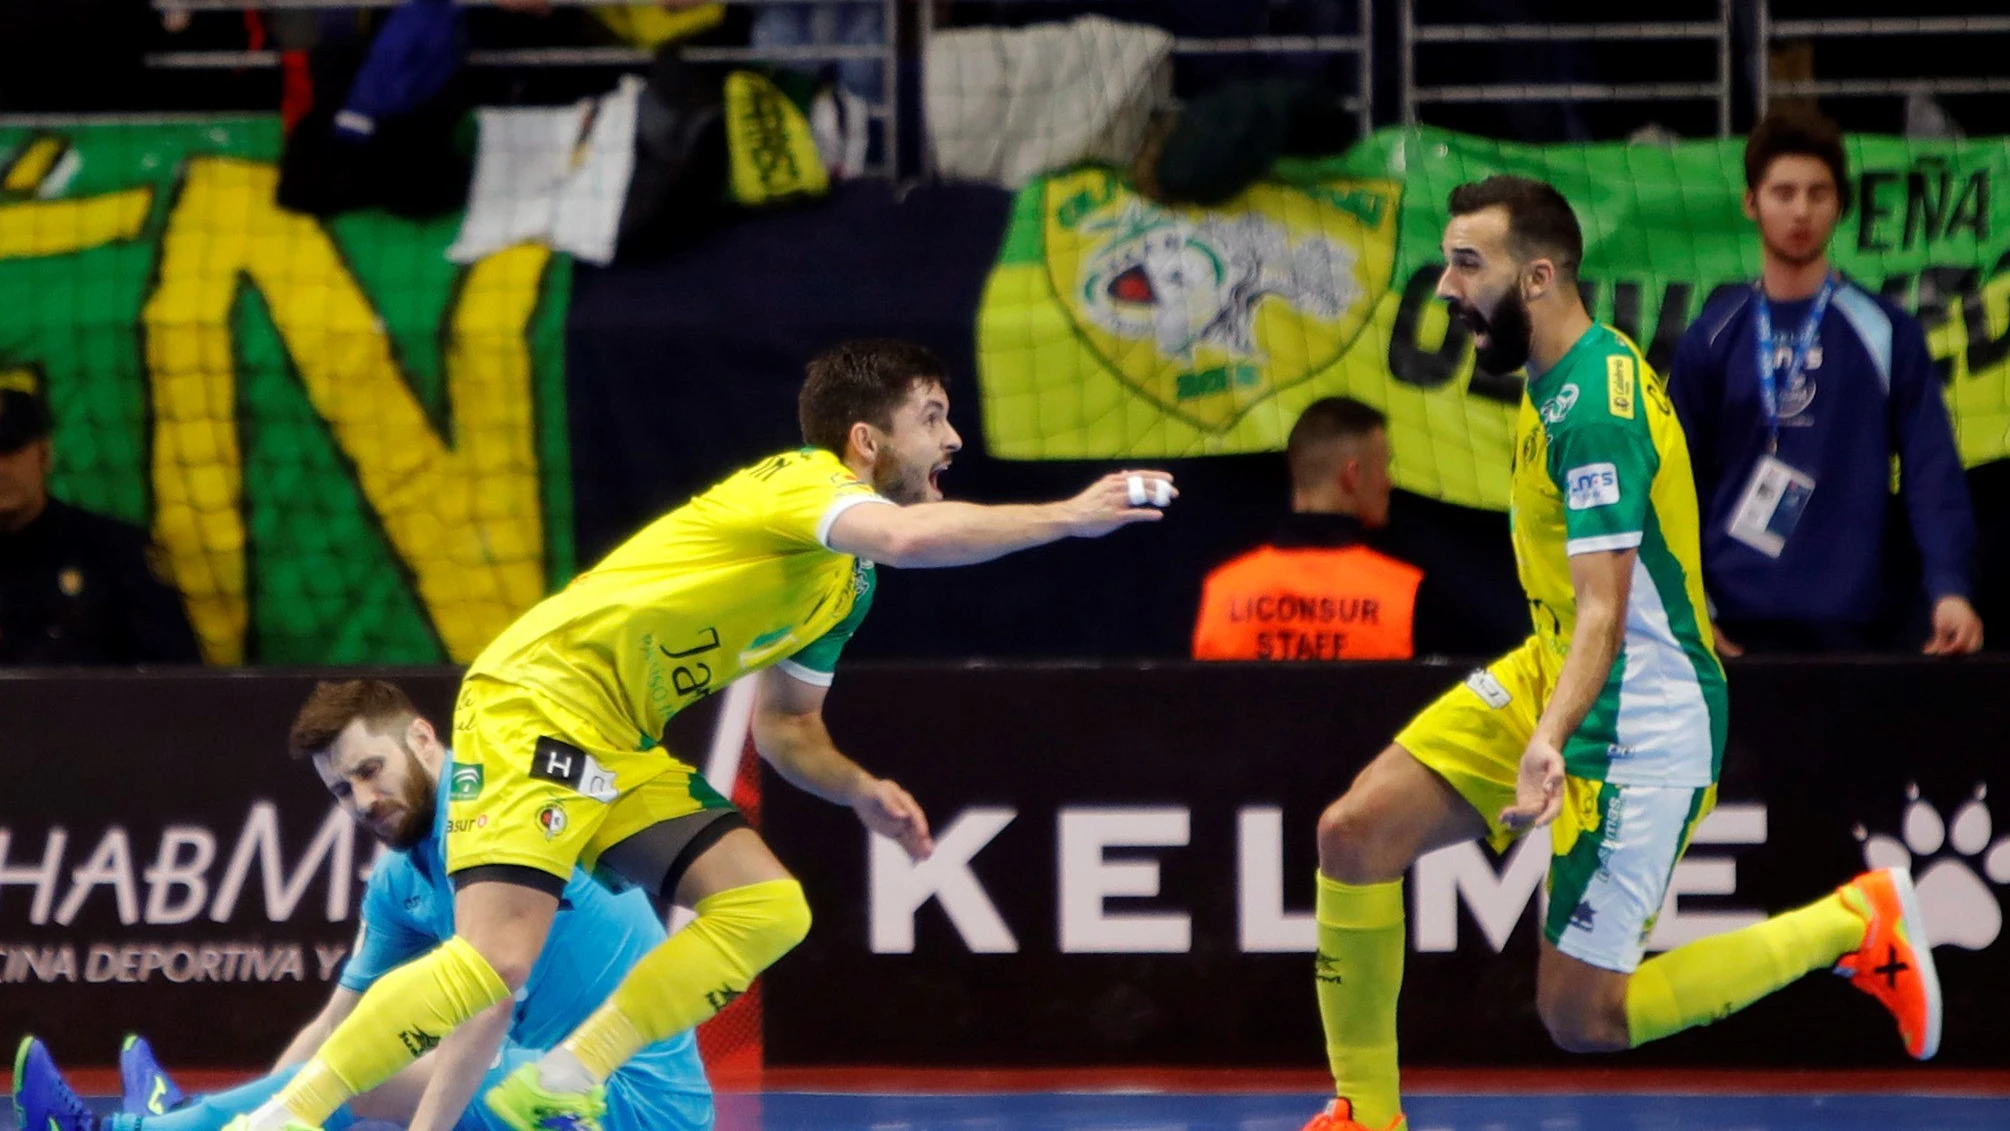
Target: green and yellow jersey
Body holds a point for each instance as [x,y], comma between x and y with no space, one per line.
[740,578]
[1601,464]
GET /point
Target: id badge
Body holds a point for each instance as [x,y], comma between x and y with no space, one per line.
[1771,506]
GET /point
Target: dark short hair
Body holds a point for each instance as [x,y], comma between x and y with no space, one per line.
[862,381]
[333,705]
[1540,222]
[1797,133]
[1323,421]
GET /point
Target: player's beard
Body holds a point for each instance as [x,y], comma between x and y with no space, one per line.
[899,480]
[421,795]
[1509,334]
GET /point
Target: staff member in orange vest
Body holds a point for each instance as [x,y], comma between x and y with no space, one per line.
[1316,591]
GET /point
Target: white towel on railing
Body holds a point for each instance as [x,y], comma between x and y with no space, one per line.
[1005,105]
[553,176]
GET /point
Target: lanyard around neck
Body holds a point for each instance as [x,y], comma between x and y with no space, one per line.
[1769,383]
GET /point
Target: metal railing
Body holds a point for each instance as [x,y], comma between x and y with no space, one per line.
[1358,46]
[1772,31]
[1415,35]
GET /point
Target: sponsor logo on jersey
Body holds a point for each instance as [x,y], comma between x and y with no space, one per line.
[1593,485]
[1489,688]
[465,783]
[568,765]
[1619,386]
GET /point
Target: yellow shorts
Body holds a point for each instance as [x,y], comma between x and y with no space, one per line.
[1613,847]
[535,785]
[1474,734]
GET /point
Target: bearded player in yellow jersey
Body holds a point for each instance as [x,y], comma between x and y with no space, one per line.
[1609,721]
[556,748]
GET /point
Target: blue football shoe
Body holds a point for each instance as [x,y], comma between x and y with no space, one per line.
[148,1089]
[43,1100]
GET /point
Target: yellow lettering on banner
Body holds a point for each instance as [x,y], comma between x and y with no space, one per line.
[64,227]
[1974,339]
[32,164]
[1619,386]
[466,519]
[772,152]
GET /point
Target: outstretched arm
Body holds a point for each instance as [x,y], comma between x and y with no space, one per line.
[932,535]
[789,732]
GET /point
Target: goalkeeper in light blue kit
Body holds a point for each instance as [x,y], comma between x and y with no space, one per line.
[384,762]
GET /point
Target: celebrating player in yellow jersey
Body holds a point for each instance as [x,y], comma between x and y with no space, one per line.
[1609,720]
[556,754]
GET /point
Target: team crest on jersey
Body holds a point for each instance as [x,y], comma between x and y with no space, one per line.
[551,819]
[1557,407]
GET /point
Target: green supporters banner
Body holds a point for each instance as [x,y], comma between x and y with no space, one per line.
[1113,327]
[347,448]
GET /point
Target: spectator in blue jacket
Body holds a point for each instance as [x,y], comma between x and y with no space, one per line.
[1796,394]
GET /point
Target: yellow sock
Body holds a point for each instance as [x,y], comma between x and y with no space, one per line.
[1360,974]
[1710,979]
[694,973]
[407,1012]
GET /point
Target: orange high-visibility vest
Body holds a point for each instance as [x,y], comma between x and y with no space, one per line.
[1312,603]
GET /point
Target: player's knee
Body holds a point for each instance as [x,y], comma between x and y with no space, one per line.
[1583,1027]
[792,919]
[510,954]
[1350,850]
[769,919]
[511,965]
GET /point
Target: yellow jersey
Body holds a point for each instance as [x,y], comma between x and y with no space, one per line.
[739,578]
[1601,464]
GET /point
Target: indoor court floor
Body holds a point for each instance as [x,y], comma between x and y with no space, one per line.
[1663,1109]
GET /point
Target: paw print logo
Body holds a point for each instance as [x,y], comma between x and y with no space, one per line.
[1961,908]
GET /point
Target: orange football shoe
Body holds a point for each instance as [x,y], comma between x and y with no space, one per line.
[1338,1115]
[1895,962]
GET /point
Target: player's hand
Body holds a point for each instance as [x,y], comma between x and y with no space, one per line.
[1107,504]
[1957,630]
[1725,645]
[1538,788]
[892,812]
